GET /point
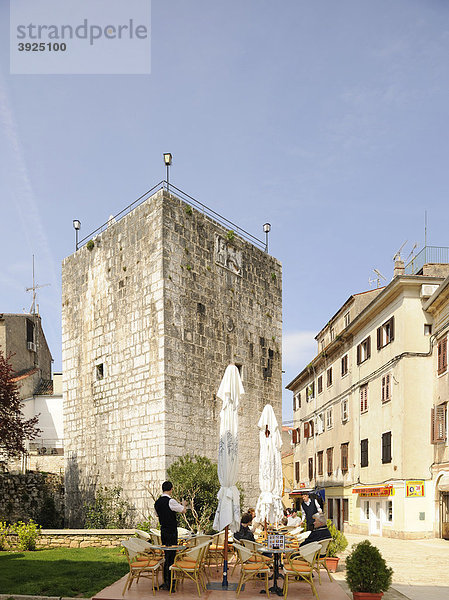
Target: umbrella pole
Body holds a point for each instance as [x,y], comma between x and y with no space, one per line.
[225,559]
[266,529]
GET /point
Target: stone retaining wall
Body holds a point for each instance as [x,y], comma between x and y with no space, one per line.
[83,538]
[33,495]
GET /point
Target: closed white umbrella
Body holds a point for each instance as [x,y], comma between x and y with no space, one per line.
[228,510]
[269,504]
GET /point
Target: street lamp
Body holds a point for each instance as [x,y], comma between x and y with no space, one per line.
[266,228]
[76,227]
[168,160]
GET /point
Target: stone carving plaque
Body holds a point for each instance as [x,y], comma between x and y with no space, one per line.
[228,256]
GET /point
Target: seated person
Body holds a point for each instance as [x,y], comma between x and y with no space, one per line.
[320,531]
[245,533]
[293,519]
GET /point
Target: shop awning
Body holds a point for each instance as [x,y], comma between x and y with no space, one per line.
[374,491]
[443,483]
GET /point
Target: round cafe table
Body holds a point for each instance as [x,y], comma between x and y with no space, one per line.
[275,589]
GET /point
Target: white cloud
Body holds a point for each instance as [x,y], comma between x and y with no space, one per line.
[298,349]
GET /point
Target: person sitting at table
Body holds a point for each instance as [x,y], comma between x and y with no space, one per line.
[244,532]
[293,520]
[320,531]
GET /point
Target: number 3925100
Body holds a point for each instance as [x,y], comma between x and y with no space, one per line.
[42,47]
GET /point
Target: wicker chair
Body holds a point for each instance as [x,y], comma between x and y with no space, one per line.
[251,567]
[300,565]
[140,565]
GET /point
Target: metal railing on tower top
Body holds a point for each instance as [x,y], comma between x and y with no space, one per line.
[175,191]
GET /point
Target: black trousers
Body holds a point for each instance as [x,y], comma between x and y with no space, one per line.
[169,538]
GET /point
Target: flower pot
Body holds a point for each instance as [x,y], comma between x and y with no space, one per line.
[332,563]
[367,595]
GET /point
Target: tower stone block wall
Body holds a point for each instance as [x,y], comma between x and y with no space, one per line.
[153,313]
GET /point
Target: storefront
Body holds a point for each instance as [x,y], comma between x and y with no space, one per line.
[376,507]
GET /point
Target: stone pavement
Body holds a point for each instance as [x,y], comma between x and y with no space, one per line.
[421,567]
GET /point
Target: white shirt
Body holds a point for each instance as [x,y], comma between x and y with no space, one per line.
[318,508]
[174,504]
[293,521]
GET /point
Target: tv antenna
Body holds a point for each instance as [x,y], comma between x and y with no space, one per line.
[379,277]
[33,289]
[397,256]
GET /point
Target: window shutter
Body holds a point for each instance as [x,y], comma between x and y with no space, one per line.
[439,423]
[294,436]
[297,471]
[379,338]
[442,355]
[306,430]
[368,347]
[358,353]
[391,329]
[311,429]
[298,434]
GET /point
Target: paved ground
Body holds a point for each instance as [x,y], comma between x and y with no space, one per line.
[421,567]
[187,591]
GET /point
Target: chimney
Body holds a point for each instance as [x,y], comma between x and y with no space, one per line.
[398,268]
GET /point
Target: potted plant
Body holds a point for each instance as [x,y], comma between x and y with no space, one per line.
[367,573]
[337,544]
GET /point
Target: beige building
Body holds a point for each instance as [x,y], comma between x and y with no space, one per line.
[22,338]
[438,307]
[287,465]
[362,410]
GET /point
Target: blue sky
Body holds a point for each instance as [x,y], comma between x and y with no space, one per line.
[327,119]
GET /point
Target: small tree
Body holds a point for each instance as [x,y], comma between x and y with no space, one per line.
[195,479]
[366,570]
[14,428]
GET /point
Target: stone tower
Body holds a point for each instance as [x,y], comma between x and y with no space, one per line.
[154,309]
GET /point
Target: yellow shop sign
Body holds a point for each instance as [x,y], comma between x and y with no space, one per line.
[414,489]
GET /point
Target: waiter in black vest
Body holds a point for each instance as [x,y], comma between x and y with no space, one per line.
[309,507]
[166,508]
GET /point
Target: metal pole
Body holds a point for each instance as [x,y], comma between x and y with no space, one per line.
[266,242]
[168,185]
[76,239]
[225,559]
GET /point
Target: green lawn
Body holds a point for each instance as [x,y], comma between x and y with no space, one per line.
[67,572]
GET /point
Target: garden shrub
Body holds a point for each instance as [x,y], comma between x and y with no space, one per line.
[27,534]
[4,531]
[109,510]
[338,542]
[366,570]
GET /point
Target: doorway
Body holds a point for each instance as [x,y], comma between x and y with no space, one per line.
[375,517]
[444,512]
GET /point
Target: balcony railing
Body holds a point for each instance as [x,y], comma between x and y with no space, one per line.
[429,254]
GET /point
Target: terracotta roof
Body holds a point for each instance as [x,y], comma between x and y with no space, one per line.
[45,388]
[24,375]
